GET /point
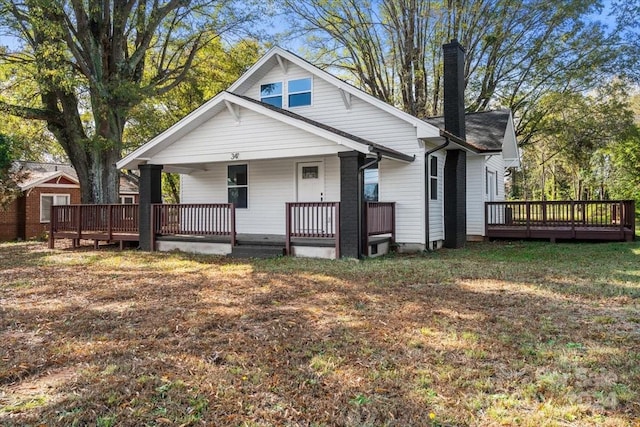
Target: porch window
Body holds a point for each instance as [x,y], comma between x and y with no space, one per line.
[371,184]
[271,93]
[48,200]
[433,178]
[237,185]
[299,92]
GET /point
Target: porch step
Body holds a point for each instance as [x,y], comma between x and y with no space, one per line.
[256,251]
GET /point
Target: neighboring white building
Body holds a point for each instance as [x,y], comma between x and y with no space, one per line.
[287,131]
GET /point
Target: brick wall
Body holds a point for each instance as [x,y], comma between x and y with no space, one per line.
[33,227]
[10,224]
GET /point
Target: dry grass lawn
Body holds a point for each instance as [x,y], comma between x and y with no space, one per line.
[529,334]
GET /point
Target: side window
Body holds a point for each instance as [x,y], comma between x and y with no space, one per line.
[299,92]
[271,93]
[433,178]
[126,200]
[371,184]
[48,200]
[237,185]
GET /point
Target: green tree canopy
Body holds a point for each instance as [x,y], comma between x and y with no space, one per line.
[90,63]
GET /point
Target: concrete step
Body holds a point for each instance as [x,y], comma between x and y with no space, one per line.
[256,251]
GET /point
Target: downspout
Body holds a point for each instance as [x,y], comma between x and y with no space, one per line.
[427,186]
[361,237]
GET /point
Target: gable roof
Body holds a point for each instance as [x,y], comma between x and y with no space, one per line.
[36,178]
[38,173]
[227,100]
[275,56]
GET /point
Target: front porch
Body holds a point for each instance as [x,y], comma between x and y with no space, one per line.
[312,228]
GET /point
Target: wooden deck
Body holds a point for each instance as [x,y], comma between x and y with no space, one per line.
[561,220]
[307,224]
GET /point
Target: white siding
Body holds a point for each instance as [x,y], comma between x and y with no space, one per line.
[477,187]
[272,183]
[255,137]
[436,207]
[400,182]
[476,195]
[496,163]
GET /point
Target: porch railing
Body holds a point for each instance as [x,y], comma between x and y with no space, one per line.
[217,219]
[579,214]
[381,219]
[93,221]
[313,220]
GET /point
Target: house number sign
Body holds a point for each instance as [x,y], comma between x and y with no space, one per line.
[235,156]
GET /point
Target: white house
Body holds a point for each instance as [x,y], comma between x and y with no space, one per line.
[289,132]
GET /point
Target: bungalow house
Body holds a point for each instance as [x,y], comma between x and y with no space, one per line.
[297,150]
[41,186]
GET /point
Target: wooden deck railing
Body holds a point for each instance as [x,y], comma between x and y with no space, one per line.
[313,220]
[569,219]
[381,219]
[210,219]
[97,222]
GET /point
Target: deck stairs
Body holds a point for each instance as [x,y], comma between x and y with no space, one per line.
[263,246]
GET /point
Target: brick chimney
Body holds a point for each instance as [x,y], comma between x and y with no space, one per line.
[455,166]
[453,54]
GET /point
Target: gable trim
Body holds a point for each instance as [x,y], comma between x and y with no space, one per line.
[233,101]
[40,181]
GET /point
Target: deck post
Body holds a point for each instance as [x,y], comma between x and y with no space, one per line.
[150,193]
[154,226]
[528,210]
[110,222]
[337,242]
[232,212]
[573,218]
[78,210]
[287,241]
[393,223]
[51,228]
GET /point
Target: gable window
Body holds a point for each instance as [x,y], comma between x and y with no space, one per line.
[271,93]
[48,200]
[433,179]
[299,92]
[237,185]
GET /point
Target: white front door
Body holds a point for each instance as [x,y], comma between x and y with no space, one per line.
[311,182]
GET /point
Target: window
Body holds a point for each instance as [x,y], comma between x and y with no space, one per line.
[237,185]
[299,92]
[371,184]
[127,200]
[433,178]
[271,93]
[310,172]
[491,184]
[47,200]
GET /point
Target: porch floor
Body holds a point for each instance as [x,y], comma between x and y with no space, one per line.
[243,239]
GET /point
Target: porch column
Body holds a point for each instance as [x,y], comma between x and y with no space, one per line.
[455,199]
[351,205]
[150,192]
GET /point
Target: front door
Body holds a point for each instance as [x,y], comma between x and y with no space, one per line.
[311,182]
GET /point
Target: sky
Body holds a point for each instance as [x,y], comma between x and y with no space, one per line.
[295,45]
